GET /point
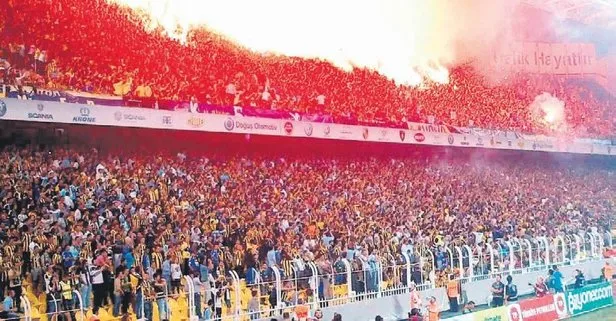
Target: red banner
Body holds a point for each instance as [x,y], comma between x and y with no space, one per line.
[538,309]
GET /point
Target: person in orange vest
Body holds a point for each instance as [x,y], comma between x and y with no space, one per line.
[608,271]
[415,297]
[433,310]
[301,311]
[453,291]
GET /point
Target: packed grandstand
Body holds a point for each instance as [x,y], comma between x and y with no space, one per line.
[122,224]
[54,45]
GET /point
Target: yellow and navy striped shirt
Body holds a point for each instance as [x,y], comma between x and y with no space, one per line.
[26,240]
[157,261]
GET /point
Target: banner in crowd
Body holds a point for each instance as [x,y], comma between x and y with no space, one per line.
[31,93]
[589,298]
[87,114]
[547,308]
[549,58]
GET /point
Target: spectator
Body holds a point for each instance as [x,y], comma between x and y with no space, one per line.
[557,280]
[607,272]
[498,289]
[541,289]
[580,281]
[415,297]
[433,310]
[9,310]
[453,292]
[511,290]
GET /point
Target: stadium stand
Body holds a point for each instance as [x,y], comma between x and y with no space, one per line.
[164,216]
[101,233]
[56,44]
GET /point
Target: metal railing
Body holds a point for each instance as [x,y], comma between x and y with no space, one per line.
[326,284]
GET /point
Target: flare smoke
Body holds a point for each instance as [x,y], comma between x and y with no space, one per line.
[405,40]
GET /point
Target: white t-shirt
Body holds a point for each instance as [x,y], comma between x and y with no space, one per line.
[96,274]
[230,90]
[321,99]
[176,271]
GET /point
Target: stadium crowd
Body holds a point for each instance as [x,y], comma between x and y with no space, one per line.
[129,226]
[94,46]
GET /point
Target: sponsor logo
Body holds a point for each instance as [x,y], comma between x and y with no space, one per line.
[326,131]
[402,135]
[515,312]
[429,128]
[134,117]
[540,145]
[559,304]
[479,141]
[195,121]
[464,141]
[520,143]
[84,116]
[450,139]
[255,126]
[419,137]
[229,124]
[492,142]
[365,133]
[167,120]
[509,143]
[288,128]
[308,129]
[117,115]
[40,114]
[578,301]
[2,108]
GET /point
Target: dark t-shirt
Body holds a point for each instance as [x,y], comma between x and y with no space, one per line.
[499,287]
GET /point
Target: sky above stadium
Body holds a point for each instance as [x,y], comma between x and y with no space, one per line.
[403,40]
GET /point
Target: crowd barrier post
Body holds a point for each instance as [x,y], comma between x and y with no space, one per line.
[236,293]
[491,252]
[469,252]
[347,266]
[499,255]
[450,255]
[432,259]
[190,285]
[591,240]
[80,299]
[27,306]
[570,240]
[529,247]
[546,244]
[278,286]
[511,255]
[598,243]
[516,242]
[407,261]
[460,260]
[295,283]
[579,246]
[559,239]
[379,277]
[314,283]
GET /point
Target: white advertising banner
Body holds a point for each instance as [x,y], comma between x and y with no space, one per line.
[548,58]
[417,134]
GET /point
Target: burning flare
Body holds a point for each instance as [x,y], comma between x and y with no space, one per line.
[405,40]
